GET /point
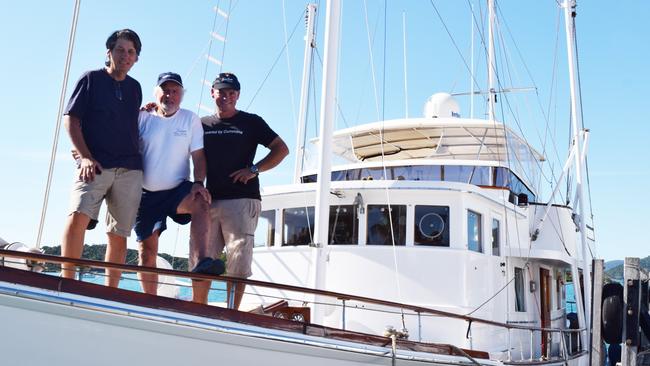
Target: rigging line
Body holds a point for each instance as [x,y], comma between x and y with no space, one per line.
[491,297]
[383,163]
[370,54]
[546,119]
[504,54]
[207,62]
[453,41]
[286,43]
[275,62]
[55,142]
[223,49]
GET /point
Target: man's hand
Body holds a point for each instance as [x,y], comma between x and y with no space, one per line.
[202,192]
[242,175]
[88,168]
[149,107]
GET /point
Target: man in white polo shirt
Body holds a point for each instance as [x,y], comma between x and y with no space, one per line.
[169,137]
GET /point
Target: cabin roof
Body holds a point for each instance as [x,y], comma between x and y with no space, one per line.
[430,138]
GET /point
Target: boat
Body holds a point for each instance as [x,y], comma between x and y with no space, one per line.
[425,243]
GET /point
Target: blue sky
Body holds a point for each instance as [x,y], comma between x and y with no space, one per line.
[613,51]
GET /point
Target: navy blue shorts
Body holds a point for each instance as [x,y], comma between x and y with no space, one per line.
[156,206]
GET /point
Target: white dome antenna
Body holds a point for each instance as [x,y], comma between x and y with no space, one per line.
[441,105]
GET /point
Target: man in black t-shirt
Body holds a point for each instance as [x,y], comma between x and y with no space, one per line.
[102,121]
[230,140]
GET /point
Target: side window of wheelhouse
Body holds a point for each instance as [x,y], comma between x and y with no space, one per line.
[383,227]
[344,225]
[431,226]
[265,232]
[496,233]
[474,231]
[520,303]
[298,225]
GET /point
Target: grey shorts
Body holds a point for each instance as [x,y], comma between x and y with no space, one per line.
[121,188]
[232,227]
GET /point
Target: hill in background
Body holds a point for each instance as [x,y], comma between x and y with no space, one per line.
[96,252]
[615,269]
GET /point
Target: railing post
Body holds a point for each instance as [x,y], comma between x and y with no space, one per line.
[597,339]
[631,300]
[343,316]
[419,326]
[231,295]
[532,335]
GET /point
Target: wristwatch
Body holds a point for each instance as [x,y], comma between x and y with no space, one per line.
[254,169]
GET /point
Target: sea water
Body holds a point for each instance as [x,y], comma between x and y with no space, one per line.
[130,282]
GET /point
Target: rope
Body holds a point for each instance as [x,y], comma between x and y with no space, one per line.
[275,62]
[59,114]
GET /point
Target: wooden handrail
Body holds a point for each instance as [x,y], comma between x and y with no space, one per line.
[169,272]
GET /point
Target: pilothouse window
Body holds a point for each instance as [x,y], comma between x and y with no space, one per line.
[344,225]
[520,303]
[431,226]
[474,231]
[496,232]
[265,232]
[298,225]
[379,225]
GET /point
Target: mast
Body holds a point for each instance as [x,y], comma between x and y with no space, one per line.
[304,92]
[491,63]
[327,114]
[576,126]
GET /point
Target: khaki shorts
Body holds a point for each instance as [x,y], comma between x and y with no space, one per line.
[232,226]
[121,188]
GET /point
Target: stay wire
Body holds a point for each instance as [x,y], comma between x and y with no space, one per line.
[275,62]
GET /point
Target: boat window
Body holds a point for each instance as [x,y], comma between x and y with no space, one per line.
[376,173]
[431,225]
[504,178]
[379,224]
[520,304]
[474,232]
[265,232]
[343,175]
[478,175]
[298,225]
[418,173]
[344,225]
[559,290]
[496,232]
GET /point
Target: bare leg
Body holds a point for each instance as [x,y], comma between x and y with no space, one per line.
[115,253]
[148,253]
[200,289]
[195,205]
[73,240]
[239,293]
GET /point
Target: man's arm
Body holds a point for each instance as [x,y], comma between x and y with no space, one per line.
[87,166]
[199,163]
[279,151]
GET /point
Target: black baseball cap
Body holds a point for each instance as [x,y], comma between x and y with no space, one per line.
[226,80]
[170,76]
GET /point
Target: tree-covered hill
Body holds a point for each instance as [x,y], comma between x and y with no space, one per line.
[97,251]
[616,272]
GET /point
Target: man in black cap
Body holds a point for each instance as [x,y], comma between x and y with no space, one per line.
[231,138]
[169,137]
[102,121]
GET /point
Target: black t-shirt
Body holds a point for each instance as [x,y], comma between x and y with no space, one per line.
[108,110]
[230,144]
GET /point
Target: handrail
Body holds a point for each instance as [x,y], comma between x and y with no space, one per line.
[337,295]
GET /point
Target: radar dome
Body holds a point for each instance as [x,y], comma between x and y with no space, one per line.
[441,105]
